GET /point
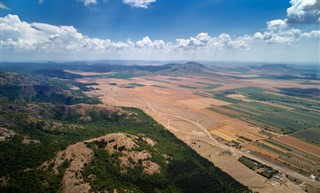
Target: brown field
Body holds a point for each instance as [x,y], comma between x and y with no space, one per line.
[221,134]
[184,114]
[232,129]
[201,103]
[299,144]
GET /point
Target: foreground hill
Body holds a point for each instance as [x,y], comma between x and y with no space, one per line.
[51,145]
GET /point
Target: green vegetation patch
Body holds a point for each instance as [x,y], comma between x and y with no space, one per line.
[158,86]
[268,116]
[212,86]
[177,79]
[123,75]
[188,86]
[137,84]
[279,144]
[258,167]
[301,92]
[156,80]
[311,135]
[245,138]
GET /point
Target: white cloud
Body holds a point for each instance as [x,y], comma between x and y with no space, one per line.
[304,11]
[300,12]
[40,40]
[286,37]
[204,41]
[39,36]
[312,34]
[146,42]
[139,3]
[89,2]
[277,24]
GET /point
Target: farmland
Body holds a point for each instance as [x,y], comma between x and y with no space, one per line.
[311,135]
[237,114]
[224,117]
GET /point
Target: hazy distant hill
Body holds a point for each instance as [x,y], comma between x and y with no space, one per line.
[184,68]
[56,69]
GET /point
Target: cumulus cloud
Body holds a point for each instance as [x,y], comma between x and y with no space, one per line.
[23,37]
[300,12]
[138,3]
[304,11]
[17,34]
[205,41]
[286,37]
[277,24]
[146,42]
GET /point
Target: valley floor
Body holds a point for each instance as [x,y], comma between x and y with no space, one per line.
[187,116]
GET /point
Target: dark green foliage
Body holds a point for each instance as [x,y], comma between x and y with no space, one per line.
[137,84]
[35,181]
[254,165]
[245,138]
[301,92]
[158,86]
[188,86]
[10,92]
[84,86]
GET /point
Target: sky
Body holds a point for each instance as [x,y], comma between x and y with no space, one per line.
[286,31]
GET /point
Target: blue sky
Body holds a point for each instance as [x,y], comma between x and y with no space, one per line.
[163,19]
[161,29]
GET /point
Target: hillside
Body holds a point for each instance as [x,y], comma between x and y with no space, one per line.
[17,88]
[50,146]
